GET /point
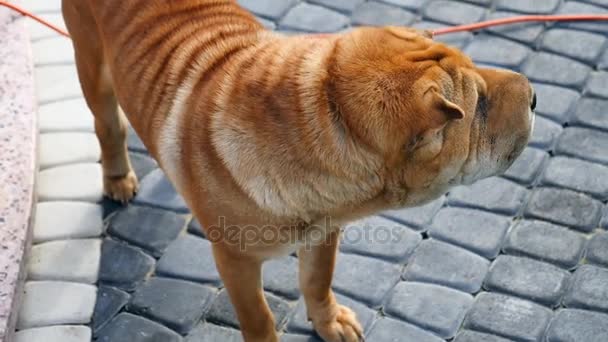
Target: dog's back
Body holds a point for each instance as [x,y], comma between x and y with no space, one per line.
[153,46]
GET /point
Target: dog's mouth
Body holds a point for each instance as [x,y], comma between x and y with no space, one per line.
[495,152]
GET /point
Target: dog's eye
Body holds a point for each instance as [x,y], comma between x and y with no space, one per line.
[533,106]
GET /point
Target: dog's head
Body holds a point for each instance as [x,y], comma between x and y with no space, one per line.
[433,118]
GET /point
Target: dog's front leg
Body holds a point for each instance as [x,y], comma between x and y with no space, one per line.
[333,322]
[242,277]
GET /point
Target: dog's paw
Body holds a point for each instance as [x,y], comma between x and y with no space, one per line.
[343,327]
[121,188]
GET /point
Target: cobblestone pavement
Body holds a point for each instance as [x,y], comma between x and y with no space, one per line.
[522,257]
[63,265]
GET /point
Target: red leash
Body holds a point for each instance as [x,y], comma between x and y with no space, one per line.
[33,16]
[521,19]
[438,32]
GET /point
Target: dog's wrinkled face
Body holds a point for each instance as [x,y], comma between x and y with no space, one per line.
[435,118]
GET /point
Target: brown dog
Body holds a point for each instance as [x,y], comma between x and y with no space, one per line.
[282,140]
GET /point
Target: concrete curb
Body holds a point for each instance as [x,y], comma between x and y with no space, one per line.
[18,163]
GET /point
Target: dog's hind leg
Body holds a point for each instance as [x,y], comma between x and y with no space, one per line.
[120,182]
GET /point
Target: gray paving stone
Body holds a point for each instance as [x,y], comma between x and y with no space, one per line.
[299,338]
[578,326]
[380,238]
[57,333]
[443,264]
[212,332]
[47,303]
[53,50]
[306,17]
[65,260]
[51,6]
[67,220]
[340,5]
[134,143]
[175,303]
[459,39]
[565,207]
[477,231]
[194,227]
[438,309]
[379,14]
[142,164]
[189,258]
[222,311]
[149,228]
[417,218]
[493,194]
[568,173]
[546,242]
[598,84]
[273,9]
[58,149]
[123,266]
[603,64]
[545,133]
[76,182]
[555,102]
[527,166]
[38,31]
[390,330]
[65,116]
[572,7]
[453,12]
[365,279]
[526,32]
[597,251]
[584,143]
[299,324]
[270,25]
[597,2]
[157,191]
[110,207]
[588,289]
[525,6]
[505,53]
[554,69]
[591,113]
[56,83]
[414,5]
[485,3]
[110,301]
[527,278]
[508,317]
[473,336]
[604,222]
[580,45]
[280,277]
[130,328]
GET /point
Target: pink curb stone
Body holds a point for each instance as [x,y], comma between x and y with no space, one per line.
[18,138]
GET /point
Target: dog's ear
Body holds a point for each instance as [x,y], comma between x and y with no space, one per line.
[439,112]
[441,109]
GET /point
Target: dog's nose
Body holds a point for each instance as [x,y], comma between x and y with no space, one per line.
[533,105]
